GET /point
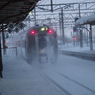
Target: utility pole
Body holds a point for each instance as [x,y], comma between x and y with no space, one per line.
[60,23]
[51,5]
[81,35]
[62,20]
[90,38]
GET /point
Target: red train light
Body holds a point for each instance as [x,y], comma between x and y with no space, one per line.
[50,31]
[33,32]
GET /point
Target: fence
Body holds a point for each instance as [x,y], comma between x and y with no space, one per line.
[10,51]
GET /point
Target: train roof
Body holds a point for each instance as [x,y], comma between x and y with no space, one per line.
[40,26]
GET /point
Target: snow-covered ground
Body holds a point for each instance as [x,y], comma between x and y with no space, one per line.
[70,76]
[19,78]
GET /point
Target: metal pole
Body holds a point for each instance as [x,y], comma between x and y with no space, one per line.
[79,12]
[3,40]
[81,35]
[63,37]
[81,39]
[60,24]
[87,35]
[1,64]
[90,38]
[35,15]
[51,5]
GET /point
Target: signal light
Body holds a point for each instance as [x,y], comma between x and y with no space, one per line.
[74,29]
[50,31]
[33,32]
[74,38]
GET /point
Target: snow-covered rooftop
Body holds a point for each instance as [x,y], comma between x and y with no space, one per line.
[86,20]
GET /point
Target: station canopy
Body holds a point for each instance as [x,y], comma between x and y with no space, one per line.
[15,10]
[86,20]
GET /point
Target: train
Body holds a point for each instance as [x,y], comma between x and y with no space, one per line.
[39,43]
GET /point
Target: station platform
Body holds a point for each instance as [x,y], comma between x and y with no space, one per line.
[19,78]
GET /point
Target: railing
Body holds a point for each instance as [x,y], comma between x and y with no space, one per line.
[10,51]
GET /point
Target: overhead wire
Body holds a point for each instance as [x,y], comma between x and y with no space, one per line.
[43,2]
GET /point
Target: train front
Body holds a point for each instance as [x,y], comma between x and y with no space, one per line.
[41,44]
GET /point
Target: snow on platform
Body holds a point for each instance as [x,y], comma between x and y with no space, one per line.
[19,78]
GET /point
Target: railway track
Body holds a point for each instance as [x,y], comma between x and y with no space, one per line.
[66,90]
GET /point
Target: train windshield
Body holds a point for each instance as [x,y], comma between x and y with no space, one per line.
[41,29]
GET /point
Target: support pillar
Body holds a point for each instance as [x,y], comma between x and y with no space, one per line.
[3,41]
[81,39]
[90,38]
[1,65]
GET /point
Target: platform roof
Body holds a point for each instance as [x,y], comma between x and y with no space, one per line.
[86,20]
[15,10]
